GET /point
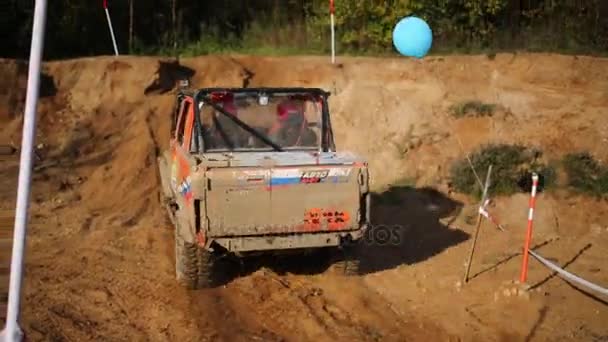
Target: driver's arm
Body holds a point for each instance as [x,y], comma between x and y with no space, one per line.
[274,130]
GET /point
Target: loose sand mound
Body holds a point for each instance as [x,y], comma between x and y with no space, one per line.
[100,256]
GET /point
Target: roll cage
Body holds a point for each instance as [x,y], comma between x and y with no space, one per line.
[207,95]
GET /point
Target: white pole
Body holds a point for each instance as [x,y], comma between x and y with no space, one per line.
[111,31]
[12,332]
[333,39]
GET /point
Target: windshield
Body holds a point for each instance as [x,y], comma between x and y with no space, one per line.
[288,120]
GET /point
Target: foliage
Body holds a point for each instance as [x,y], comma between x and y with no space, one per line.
[585,174]
[78,28]
[510,164]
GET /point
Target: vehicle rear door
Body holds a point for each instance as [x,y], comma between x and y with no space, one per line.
[315,198]
[238,201]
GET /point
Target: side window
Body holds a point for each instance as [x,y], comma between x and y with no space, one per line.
[181,121]
[188,129]
[174,117]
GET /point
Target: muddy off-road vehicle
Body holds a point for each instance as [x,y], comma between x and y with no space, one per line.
[255,170]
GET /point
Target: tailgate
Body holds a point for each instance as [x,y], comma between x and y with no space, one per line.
[250,201]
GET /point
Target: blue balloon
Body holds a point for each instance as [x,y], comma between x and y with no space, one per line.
[412,37]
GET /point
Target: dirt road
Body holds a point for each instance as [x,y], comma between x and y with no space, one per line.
[99,262]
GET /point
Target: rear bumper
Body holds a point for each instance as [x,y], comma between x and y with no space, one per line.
[274,242]
[291,241]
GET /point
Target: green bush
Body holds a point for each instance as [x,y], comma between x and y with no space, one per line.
[473,108]
[585,174]
[510,164]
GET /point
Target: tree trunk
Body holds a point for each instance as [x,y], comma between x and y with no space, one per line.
[174,22]
[131,26]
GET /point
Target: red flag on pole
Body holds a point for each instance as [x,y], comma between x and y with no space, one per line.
[331,7]
[105,8]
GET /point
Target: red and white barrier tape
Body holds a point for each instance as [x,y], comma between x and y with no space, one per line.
[569,276]
[484,212]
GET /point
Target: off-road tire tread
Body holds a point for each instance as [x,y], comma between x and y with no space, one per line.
[195,263]
[205,263]
[164,204]
[346,262]
[347,267]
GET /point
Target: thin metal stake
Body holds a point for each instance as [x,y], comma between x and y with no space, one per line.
[332,11]
[333,40]
[111,31]
[479,221]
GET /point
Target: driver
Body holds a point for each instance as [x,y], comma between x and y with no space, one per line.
[290,124]
[291,127]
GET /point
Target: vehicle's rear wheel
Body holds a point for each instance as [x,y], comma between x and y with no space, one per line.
[193,264]
[346,267]
[345,262]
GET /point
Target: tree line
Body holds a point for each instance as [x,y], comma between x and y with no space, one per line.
[78,27]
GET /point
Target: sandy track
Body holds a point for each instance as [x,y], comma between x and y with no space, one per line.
[100,255]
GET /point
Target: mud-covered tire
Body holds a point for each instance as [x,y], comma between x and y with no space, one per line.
[346,267]
[345,262]
[193,264]
[163,202]
[206,265]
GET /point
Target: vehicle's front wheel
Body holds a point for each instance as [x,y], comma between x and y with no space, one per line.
[165,205]
[193,264]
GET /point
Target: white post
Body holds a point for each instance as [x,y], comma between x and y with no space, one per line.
[12,332]
[105,5]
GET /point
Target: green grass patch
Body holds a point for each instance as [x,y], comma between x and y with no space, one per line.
[473,108]
[511,166]
[585,174]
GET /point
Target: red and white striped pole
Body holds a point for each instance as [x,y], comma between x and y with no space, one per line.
[105,7]
[332,11]
[524,267]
